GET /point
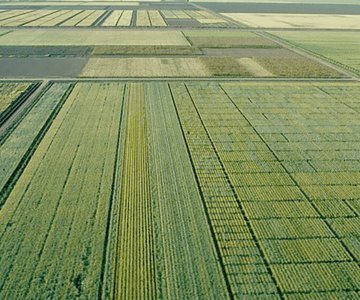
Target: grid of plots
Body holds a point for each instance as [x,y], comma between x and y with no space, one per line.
[260,182]
[283,201]
[114,18]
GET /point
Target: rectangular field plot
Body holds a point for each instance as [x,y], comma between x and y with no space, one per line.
[312,21]
[183,190]
[341,48]
[42,37]
[144,67]
[200,66]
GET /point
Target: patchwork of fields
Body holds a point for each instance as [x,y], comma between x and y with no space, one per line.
[180,150]
[206,188]
[107,18]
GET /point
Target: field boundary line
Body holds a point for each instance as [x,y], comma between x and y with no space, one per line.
[112,220]
[184,79]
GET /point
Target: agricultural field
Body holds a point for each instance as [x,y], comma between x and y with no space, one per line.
[180,150]
[134,67]
[312,21]
[44,37]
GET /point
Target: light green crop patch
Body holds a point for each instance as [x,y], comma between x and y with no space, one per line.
[304,250]
[91,37]
[339,47]
[322,276]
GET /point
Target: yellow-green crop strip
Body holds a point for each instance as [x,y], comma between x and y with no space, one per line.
[135,259]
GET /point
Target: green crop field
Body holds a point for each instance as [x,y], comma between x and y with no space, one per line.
[183,190]
[342,48]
